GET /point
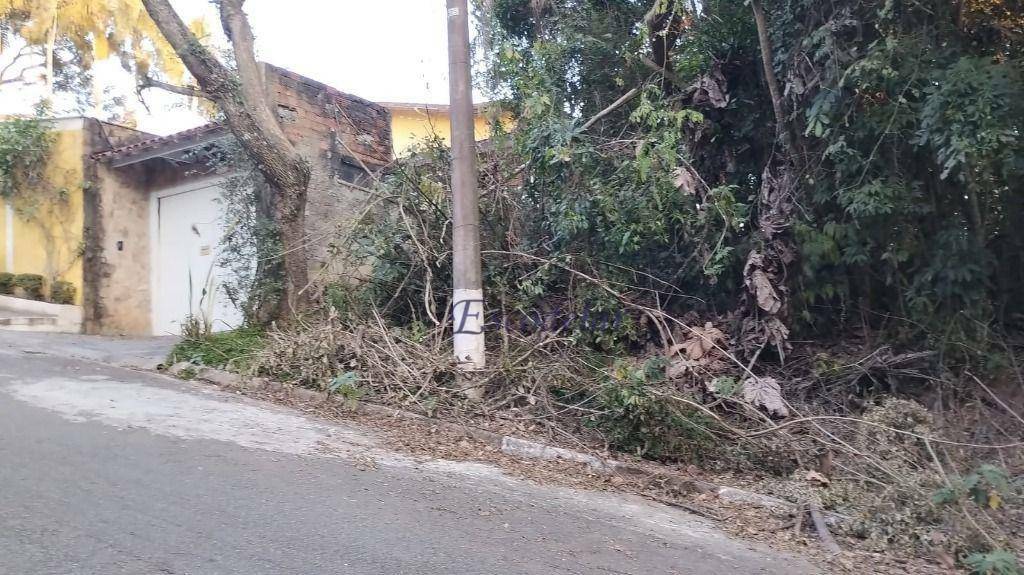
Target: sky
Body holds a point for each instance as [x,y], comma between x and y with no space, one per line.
[381,50]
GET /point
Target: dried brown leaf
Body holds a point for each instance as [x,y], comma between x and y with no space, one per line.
[765,392]
[685,180]
[701,341]
[767,298]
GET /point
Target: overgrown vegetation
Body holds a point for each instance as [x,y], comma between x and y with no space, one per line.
[39,194]
[825,302]
[251,246]
[24,151]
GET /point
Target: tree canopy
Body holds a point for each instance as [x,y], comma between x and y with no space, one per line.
[63,39]
[905,161]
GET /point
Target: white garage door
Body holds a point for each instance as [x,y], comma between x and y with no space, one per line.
[187,280]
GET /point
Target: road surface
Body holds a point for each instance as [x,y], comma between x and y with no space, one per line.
[105,470]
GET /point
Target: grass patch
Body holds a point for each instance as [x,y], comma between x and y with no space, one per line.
[230,350]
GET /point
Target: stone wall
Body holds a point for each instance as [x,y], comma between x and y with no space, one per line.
[342,136]
[117,249]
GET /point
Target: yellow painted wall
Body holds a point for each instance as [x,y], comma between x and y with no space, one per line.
[412,125]
[47,235]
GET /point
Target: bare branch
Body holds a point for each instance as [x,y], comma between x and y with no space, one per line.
[827,540]
[614,106]
[22,53]
[21,76]
[781,129]
[213,76]
[668,74]
[190,91]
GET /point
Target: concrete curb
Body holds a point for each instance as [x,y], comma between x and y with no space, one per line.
[510,445]
[58,318]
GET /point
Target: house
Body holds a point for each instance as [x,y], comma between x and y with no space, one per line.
[414,123]
[47,237]
[138,233]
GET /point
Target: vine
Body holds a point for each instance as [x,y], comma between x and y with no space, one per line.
[250,246]
[35,186]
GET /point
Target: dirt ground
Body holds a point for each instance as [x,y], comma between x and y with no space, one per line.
[779,529]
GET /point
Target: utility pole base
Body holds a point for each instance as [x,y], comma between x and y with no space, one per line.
[470,383]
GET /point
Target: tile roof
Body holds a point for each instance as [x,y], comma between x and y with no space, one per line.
[153,144]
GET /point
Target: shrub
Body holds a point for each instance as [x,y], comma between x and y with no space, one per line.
[31,285]
[635,419]
[6,284]
[231,350]
[63,293]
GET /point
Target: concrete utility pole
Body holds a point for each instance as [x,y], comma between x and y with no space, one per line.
[468,301]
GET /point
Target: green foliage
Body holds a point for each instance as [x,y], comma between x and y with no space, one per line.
[988,486]
[231,350]
[188,373]
[6,283]
[970,113]
[999,562]
[62,292]
[346,386]
[32,286]
[910,157]
[916,126]
[24,151]
[636,419]
[725,386]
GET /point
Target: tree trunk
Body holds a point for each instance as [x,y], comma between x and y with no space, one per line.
[242,98]
[974,213]
[766,302]
[769,71]
[290,217]
[51,47]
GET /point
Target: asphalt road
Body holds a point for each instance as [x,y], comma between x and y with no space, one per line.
[105,471]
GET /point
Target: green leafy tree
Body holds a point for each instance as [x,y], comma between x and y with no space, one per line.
[899,151]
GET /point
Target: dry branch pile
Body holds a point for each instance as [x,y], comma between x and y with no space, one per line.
[885,463]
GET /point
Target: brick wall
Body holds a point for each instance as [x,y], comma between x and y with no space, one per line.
[339,134]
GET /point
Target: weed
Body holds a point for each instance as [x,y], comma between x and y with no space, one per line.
[999,562]
[188,374]
[637,420]
[988,486]
[232,350]
[346,387]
